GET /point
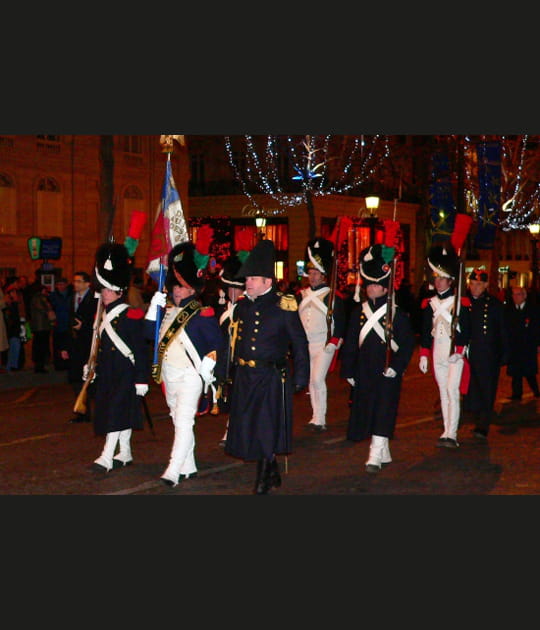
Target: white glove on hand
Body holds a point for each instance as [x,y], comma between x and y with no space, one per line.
[206,372]
[141,389]
[390,373]
[85,374]
[330,348]
[158,299]
[351,382]
[454,358]
[423,364]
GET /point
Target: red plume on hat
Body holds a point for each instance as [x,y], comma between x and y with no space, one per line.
[462,225]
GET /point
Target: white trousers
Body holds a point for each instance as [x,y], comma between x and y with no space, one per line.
[319,363]
[448,377]
[183,388]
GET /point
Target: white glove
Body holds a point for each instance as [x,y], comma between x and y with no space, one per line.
[351,382]
[159,299]
[330,348]
[85,374]
[454,358]
[141,389]
[390,373]
[22,333]
[207,372]
[423,364]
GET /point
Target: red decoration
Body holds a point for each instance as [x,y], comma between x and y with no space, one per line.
[204,239]
[243,239]
[138,219]
[392,233]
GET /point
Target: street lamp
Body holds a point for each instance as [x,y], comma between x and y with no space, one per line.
[534,229]
[260,222]
[372,203]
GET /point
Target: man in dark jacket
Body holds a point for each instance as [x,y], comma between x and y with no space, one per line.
[488,351]
[376,386]
[523,328]
[267,326]
[123,361]
[80,333]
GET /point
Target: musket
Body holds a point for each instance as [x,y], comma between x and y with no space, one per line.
[147,414]
[80,404]
[457,307]
[390,308]
[333,285]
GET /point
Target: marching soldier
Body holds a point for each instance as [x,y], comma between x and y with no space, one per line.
[233,289]
[123,366]
[189,340]
[376,385]
[324,333]
[488,351]
[445,336]
[260,420]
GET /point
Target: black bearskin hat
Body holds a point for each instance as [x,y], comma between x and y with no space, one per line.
[112,267]
[260,262]
[318,255]
[182,268]
[228,274]
[375,265]
[443,261]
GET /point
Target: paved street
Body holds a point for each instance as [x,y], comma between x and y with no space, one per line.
[42,454]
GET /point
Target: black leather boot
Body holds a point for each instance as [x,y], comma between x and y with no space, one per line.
[275,477]
[262,484]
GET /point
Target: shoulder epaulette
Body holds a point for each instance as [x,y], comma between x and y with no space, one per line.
[288,302]
[135,313]
[425,302]
[208,311]
[465,301]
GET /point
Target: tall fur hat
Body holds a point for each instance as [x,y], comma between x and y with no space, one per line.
[319,255]
[260,262]
[183,268]
[229,271]
[375,265]
[443,261]
[112,267]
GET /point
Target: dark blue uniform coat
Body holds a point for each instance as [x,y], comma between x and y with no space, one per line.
[260,422]
[375,398]
[117,406]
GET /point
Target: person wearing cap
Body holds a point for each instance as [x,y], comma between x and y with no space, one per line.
[268,327]
[189,341]
[487,352]
[444,344]
[324,341]
[233,290]
[376,386]
[123,365]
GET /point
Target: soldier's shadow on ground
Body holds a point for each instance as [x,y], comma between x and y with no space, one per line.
[514,416]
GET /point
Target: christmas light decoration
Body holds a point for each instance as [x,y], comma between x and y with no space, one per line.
[321,165]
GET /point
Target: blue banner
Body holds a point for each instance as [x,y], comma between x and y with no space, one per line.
[442,206]
[489,197]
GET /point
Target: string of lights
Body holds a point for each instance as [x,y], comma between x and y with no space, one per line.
[312,162]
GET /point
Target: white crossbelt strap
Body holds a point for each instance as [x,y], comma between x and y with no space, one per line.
[373,322]
[316,297]
[194,356]
[442,308]
[114,337]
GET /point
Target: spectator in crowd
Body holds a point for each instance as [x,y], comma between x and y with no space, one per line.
[4,343]
[42,318]
[81,329]
[61,299]
[14,328]
[523,329]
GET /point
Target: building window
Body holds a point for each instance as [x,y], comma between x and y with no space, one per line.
[132,144]
[49,210]
[8,205]
[48,144]
[133,200]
